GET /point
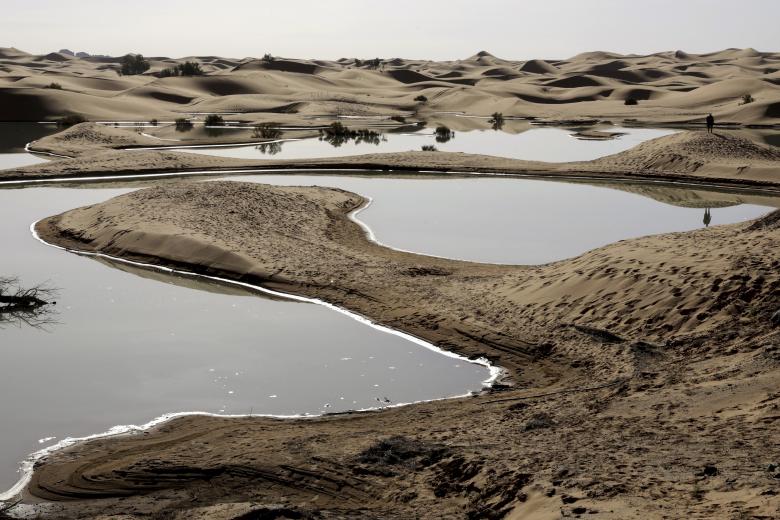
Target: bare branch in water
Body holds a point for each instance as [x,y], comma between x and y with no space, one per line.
[33,306]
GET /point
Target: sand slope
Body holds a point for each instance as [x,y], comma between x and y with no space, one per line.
[638,366]
[670,87]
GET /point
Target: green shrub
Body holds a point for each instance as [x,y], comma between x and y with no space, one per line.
[443,134]
[338,134]
[73,119]
[497,120]
[214,120]
[54,86]
[747,98]
[188,68]
[183,125]
[133,64]
[266,131]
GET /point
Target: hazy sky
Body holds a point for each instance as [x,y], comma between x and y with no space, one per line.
[434,29]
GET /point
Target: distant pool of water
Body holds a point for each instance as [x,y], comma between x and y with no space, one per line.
[13,139]
[526,221]
[536,144]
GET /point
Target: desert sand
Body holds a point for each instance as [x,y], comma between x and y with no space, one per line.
[669,87]
[641,377]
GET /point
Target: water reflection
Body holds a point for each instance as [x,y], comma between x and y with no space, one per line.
[707,217]
[272,148]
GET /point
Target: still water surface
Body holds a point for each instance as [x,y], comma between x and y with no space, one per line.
[537,144]
[128,345]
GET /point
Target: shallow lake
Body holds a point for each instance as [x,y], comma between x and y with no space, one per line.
[15,136]
[125,348]
[536,144]
[126,345]
[526,221]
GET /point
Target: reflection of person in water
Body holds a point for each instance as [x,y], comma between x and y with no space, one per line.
[707,217]
[710,123]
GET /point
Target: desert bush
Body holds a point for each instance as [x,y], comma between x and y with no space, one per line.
[183,125]
[268,58]
[429,148]
[214,120]
[403,451]
[337,134]
[497,120]
[54,86]
[631,101]
[133,64]
[443,134]
[70,120]
[374,64]
[747,98]
[266,131]
[421,98]
[188,68]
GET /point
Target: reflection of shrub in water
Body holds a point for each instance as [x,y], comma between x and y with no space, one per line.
[267,131]
[269,148]
[337,134]
[443,134]
[183,125]
[497,121]
[19,306]
[429,148]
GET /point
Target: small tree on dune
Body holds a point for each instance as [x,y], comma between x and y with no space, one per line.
[133,64]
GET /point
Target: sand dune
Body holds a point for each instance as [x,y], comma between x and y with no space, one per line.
[671,87]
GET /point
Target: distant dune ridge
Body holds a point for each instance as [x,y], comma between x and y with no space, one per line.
[670,86]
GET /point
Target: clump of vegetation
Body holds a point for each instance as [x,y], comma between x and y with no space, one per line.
[188,68]
[133,64]
[402,451]
[374,64]
[497,120]
[54,86]
[747,98]
[337,134]
[266,131]
[429,148]
[183,125]
[20,306]
[214,120]
[443,134]
[67,121]
[631,101]
[358,62]
[268,58]
[421,99]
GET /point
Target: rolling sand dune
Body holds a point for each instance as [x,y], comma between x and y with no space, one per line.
[641,377]
[635,395]
[671,87]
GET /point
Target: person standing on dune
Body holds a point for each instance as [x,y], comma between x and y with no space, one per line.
[710,123]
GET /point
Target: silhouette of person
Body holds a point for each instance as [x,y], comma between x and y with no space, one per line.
[710,123]
[707,217]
